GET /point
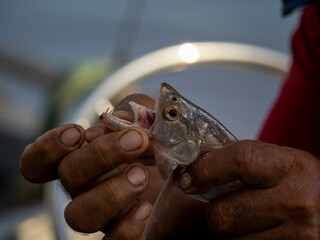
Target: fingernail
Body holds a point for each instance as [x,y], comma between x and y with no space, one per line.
[136,175]
[142,212]
[131,140]
[185,181]
[70,137]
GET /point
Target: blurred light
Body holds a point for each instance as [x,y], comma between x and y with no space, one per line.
[36,228]
[101,105]
[85,123]
[188,53]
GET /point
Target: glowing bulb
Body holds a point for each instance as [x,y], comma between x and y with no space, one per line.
[188,53]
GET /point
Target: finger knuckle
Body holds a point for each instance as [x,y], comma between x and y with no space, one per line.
[255,161]
[104,154]
[114,193]
[65,177]
[245,153]
[303,208]
[301,161]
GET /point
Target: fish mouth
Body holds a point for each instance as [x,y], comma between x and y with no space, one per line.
[143,117]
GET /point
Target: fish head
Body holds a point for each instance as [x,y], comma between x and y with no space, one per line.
[179,130]
[175,141]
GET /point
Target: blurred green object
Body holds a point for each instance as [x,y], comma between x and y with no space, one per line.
[76,84]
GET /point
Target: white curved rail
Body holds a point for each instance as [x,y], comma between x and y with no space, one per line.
[184,55]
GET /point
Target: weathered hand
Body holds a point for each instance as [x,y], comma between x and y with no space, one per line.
[93,168]
[99,168]
[282,198]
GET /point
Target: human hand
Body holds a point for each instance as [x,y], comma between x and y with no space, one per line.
[282,198]
[109,192]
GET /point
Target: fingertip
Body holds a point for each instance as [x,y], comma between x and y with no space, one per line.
[136,175]
[145,138]
[70,137]
[130,140]
[142,211]
[39,160]
[132,224]
[133,139]
[197,177]
[81,132]
[185,181]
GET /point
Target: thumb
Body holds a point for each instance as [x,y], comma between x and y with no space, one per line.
[254,163]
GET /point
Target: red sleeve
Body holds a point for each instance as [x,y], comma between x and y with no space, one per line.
[295,119]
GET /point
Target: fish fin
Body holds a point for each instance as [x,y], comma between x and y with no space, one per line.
[160,206]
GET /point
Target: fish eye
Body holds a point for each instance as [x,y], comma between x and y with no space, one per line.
[172,113]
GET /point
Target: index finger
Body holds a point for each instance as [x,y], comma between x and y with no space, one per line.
[254,163]
[40,159]
[82,167]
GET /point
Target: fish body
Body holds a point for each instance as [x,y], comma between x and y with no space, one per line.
[180,132]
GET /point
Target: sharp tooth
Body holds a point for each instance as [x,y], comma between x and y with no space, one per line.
[135,109]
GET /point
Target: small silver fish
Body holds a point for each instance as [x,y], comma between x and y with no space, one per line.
[180,132]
